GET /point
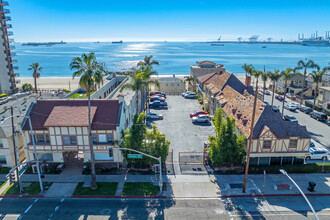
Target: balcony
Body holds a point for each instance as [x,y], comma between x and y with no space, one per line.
[14,61]
[10,33]
[6,18]
[12,47]
[15,68]
[5,11]
[4,3]
[13,54]
[8,26]
[11,40]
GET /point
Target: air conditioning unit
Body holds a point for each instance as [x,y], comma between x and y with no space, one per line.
[34,169]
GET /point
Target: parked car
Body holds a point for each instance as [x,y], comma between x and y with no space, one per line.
[186,93]
[266,92]
[153,115]
[295,104]
[163,94]
[190,96]
[201,119]
[290,107]
[156,97]
[196,113]
[306,110]
[291,96]
[328,123]
[279,98]
[290,118]
[317,153]
[158,104]
[319,116]
[275,108]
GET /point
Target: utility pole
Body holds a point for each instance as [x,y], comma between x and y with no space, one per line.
[69,86]
[14,143]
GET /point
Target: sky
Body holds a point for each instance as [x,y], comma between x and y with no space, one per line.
[171,20]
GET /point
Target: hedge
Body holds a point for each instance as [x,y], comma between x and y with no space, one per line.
[311,105]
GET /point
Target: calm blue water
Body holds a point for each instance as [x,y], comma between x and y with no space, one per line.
[174,57]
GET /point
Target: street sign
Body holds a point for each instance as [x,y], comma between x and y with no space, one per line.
[134,156]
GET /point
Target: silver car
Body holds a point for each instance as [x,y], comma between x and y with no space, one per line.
[153,115]
[201,119]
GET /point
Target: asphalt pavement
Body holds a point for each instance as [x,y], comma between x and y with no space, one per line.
[229,208]
[319,131]
[181,132]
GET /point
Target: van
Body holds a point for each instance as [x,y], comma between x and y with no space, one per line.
[317,153]
[319,116]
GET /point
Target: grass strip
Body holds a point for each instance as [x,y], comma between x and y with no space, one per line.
[103,189]
[141,189]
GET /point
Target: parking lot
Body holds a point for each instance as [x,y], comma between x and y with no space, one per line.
[319,131]
[179,129]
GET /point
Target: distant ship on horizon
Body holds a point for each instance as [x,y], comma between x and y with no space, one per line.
[319,42]
[117,42]
[48,44]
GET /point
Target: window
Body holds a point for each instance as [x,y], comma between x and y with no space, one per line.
[267,144]
[47,138]
[1,144]
[69,140]
[40,138]
[293,143]
[3,159]
[45,156]
[102,138]
[94,138]
[109,137]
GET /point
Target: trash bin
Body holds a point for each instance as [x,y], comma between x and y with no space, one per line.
[311,186]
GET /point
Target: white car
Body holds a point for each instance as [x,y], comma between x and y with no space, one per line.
[190,96]
[317,153]
[290,107]
[153,115]
[201,118]
[187,93]
[295,104]
[266,92]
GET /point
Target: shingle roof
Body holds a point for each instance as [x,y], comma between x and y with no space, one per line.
[105,117]
[62,116]
[207,78]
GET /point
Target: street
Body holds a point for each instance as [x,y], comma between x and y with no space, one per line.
[198,208]
[319,131]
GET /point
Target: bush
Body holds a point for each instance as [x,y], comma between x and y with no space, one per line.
[66,90]
[3,95]
[311,105]
[296,168]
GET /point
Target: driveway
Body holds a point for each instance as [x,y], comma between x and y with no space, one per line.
[180,131]
[319,131]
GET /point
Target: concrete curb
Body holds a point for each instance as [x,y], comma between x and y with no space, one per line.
[22,196]
[271,195]
[120,197]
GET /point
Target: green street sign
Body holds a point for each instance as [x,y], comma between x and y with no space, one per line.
[134,156]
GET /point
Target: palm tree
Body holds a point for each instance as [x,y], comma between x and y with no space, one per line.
[256,74]
[274,76]
[36,74]
[188,79]
[317,78]
[148,62]
[307,64]
[286,74]
[264,77]
[137,84]
[91,73]
[27,87]
[248,72]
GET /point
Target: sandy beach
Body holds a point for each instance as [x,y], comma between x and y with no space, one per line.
[56,83]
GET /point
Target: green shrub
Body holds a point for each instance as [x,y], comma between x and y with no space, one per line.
[3,95]
[296,168]
[66,90]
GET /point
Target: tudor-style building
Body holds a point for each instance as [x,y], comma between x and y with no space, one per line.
[61,131]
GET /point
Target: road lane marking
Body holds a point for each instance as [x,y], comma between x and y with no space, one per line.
[56,208]
[28,209]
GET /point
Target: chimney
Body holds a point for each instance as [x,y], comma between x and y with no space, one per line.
[121,97]
[247,80]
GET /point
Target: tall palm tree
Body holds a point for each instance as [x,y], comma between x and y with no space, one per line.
[307,64]
[148,61]
[36,74]
[137,83]
[274,76]
[91,73]
[286,75]
[317,78]
[188,79]
[248,72]
[147,72]
[256,74]
[264,77]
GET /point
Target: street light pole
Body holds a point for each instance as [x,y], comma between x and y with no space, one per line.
[15,152]
[302,193]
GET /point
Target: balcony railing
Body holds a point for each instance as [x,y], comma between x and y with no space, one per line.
[11,40]
[6,18]
[12,47]
[5,11]
[10,33]
[15,68]
[9,26]
[13,54]
[14,61]
[4,3]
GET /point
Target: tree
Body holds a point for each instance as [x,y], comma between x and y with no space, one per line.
[36,74]
[226,148]
[274,77]
[156,144]
[136,83]
[135,136]
[188,79]
[91,73]
[317,78]
[248,72]
[27,87]
[148,62]
[264,77]
[307,64]
[286,75]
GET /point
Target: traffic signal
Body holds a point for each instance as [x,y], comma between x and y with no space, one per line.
[111,151]
[12,177]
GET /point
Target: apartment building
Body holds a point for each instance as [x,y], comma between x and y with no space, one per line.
[170,85]
[61,131]
[323,98]
[274,140]
[7,68]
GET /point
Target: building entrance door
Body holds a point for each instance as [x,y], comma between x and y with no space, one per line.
[73,159]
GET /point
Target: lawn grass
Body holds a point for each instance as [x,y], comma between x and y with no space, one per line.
[84,95]
[33,189]
[141,189]
[2,184]
[103,189]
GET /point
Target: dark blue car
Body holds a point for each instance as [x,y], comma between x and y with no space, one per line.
[158,104]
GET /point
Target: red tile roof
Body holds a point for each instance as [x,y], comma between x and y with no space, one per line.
[61,116]
[105,117]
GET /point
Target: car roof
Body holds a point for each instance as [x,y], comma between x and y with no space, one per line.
[318,149]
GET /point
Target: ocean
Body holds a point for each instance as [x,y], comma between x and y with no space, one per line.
[174,57]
